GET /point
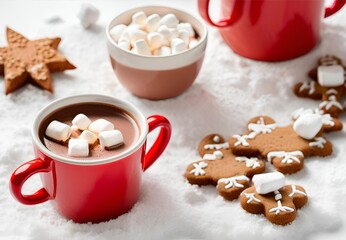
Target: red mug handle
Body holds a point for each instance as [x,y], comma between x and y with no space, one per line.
[203,8]
[157,121]
[336,6]
[23,173]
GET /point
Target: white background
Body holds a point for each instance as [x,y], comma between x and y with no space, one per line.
[228,92]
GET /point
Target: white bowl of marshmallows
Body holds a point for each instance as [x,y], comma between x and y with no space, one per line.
[156,52]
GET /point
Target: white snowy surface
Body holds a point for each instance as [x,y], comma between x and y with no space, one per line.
[228,92]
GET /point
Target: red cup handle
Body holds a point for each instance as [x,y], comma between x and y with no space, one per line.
[203,8]
[336,6]
[23,173]
[157,121]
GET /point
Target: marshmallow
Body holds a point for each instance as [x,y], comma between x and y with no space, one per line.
[124,37]
[183,34]
[152,22]
[177,45]
[139,18]
[154,40]
[193,42]
[81,121]
[101,125]
[58,131]
[163,51]
[308,125]
[330,76]
[117,31]
[111,139]
[268,182]
[88,15]
[141,47]
[88,136]
[124,45]
[135,34]
[170,20]
[174,33]
[166,34]
[78,148]
[187,27]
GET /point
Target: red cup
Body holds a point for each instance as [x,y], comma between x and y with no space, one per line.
[91,190]
[271,30]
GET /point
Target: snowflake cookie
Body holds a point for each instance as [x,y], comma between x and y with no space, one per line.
[220,167]
[327,83]
[281,146]
[279,207]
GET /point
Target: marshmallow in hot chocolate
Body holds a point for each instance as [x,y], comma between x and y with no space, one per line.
[154,35]
[85,133]
[58,131]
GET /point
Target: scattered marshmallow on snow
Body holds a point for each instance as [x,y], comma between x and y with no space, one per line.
[88,15]
[148,35]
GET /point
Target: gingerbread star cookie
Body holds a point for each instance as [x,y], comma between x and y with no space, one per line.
[327,83]
[30,61]
[220,167]
[285,147]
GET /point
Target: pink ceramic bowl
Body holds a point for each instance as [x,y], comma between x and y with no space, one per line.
[155,77]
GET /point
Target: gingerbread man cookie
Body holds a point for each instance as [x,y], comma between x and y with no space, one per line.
[220,167]
[30,61]
[282,146]
[279,204]
[328,83]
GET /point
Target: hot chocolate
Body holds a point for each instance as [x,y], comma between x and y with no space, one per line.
[97,113]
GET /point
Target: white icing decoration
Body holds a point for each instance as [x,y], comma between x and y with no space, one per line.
[278,195]
[327,119]
[261,127]
[332,92]
[295,191]
[232,181]
[318,142]
[310,85]
[288,157]
[250,162]
[331,102]
[216,139]
[328,60]
[251,197]
[198,170]
[219,146]
[214,156]
[242,140]
[281,208]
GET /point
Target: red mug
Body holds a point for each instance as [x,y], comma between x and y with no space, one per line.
[91,190]
[271,30]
